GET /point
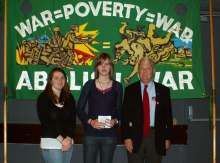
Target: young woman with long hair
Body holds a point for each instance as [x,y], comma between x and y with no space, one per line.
[56,110]
[104,97]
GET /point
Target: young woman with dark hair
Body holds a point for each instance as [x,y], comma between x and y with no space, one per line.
[56,111]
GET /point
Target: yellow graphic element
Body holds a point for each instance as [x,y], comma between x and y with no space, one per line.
[183,53]
[137,44]
[78,61]
[106,43]
[106,47]
[183,49]
[72,48]
[19,55]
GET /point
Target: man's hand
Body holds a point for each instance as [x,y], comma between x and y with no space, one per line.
[167,144]
[128,145]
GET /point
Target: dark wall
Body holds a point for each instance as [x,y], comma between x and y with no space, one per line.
[199,147]
[200,136]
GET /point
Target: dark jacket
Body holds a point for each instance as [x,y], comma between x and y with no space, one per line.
[133,118]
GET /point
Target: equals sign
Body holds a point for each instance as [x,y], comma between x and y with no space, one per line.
[106,45]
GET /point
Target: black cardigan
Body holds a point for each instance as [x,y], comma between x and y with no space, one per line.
[56,121]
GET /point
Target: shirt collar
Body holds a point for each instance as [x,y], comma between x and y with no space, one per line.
[149,85]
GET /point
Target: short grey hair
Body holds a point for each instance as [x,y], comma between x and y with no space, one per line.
[146,59]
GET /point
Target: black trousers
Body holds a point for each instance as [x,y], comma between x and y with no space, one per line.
[147,152]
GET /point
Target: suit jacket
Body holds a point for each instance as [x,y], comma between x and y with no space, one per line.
[132,121]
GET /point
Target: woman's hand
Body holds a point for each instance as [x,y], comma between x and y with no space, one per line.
[65,148]
[110,123]
[67,142]
[96,124]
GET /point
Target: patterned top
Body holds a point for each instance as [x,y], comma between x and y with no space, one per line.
[99,104]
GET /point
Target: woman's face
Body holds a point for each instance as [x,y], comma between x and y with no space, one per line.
[104,68]
[58,81]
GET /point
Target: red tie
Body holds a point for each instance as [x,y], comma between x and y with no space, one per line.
[146,107]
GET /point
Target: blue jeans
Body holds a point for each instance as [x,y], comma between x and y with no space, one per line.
[93,145]
[57,156]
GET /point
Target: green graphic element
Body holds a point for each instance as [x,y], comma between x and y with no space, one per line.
[70,34]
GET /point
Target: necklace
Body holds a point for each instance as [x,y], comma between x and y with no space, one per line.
[105,88]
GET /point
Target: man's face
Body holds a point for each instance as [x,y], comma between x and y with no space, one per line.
[146,72]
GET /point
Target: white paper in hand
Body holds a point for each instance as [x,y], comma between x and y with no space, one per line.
[103,119]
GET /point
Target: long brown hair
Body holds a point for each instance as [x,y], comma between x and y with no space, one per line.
[64,95]
[99,60]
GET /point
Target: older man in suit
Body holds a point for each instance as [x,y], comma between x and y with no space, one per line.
[146,117]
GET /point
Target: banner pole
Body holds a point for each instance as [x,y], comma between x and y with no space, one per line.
[5,81]
[213,82]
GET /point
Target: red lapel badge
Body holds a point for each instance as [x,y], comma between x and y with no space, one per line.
[154,98]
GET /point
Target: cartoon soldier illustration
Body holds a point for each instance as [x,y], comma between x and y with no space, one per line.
[55,44]
[70,39]
[32,51]
[138,44]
